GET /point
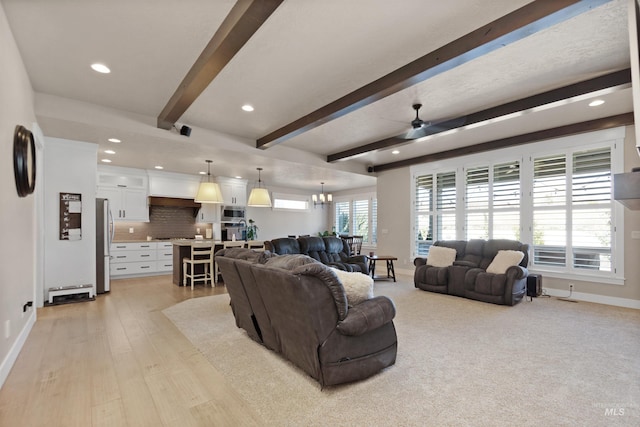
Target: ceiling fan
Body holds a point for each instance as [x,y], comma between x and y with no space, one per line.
[421,128]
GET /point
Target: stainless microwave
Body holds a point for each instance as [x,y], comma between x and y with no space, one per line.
[232,213]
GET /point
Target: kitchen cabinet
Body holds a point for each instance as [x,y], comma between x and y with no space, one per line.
[127,191]
[127,204]
[234,191]
[209,212]
[133,258]
[141,258]
[164,256]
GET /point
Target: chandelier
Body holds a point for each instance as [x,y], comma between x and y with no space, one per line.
[322,198]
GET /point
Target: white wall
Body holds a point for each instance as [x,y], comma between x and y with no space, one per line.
[17,215]
[276,223]
[70,167]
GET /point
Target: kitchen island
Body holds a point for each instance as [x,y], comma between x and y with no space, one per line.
[182,249]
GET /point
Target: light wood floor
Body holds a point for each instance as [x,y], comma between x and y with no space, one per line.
[118,361]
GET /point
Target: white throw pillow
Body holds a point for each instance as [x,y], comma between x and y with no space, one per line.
[357,286]
[504,260]
[439,256]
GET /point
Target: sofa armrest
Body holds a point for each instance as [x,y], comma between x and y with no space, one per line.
[517,272]
[367,316]
[355,259]
[419,261]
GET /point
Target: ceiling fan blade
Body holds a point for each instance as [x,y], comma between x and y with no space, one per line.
[434,128]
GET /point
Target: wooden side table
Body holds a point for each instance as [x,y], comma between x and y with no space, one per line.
[391,274]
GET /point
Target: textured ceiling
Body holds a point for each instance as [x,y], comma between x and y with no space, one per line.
[306,55]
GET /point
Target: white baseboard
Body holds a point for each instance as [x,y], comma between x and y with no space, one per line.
[600,299]
[11,357]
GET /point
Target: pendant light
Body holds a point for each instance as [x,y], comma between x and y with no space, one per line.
[209,192]
[322,198]
[259,196]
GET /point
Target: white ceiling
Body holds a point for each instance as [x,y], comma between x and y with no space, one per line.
[307,54]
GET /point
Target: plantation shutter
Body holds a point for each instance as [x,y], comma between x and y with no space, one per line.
[446,206]
[361,219]
[506,201]
[477,203]
[342,217]
[423,233]
[550,210]
[591,215]
[374,221]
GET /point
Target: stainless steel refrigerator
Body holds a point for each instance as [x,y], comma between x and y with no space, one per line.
[104,236]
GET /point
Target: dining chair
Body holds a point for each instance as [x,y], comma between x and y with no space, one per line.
[201,254]
[356,244]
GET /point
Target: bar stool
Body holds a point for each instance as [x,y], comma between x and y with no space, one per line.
[256,245]
[225,245]
[201,254]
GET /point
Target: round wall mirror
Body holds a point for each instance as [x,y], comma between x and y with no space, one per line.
[24,161]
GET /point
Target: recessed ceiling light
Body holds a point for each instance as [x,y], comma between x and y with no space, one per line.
[202,173]
[106,160]
[158,167]
[114,140]
[247,107]
[596,103]
[101,68]
[109,151]
[238,177]
[395,152]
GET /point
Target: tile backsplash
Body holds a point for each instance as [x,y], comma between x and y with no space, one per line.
[164,221]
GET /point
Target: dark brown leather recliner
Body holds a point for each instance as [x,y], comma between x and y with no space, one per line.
[303,308]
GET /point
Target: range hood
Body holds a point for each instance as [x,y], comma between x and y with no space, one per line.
[173,201]
[626,188]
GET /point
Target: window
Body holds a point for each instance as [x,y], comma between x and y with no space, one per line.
[291,202]
[558,200]
[357,215]
[442,216]
[342,217]
[492,202]
[572,210]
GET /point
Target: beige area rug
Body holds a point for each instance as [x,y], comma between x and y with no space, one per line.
[459,363]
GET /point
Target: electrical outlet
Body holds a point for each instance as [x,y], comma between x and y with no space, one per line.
[197,231]
[7,329]
[131,230]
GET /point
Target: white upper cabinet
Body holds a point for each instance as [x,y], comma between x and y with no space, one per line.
[234,191]
[127,191]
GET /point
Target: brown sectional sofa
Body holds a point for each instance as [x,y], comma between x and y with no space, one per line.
[298,307]
[467,276]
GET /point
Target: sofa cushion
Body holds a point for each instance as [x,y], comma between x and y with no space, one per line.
[357,286]
[503,260]
[246,254]
[289,262]
[440,256]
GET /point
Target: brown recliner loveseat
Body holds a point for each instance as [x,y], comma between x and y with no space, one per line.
[467,276]
[298,307]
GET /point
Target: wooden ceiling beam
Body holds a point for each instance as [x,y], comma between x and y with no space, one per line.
[617,80]
[573,129]
[521,23]
[244,19]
